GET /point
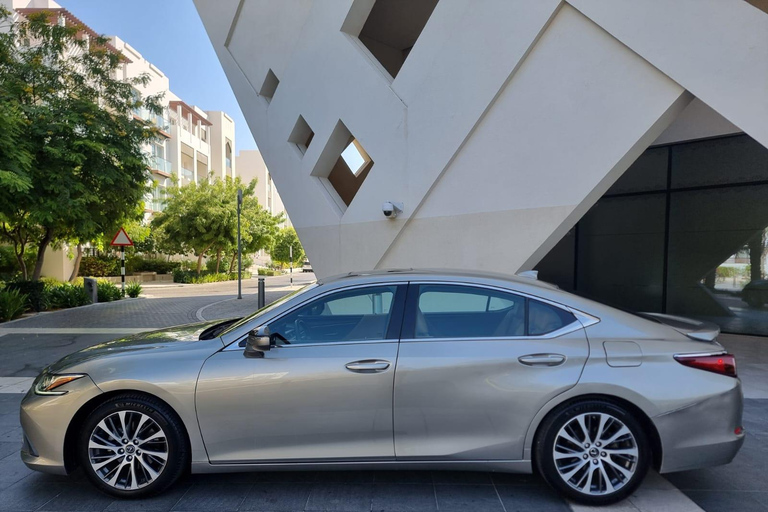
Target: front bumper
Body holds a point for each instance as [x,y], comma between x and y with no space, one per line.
[45,420]
[702,434]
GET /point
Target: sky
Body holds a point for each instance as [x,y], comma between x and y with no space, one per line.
[170,35]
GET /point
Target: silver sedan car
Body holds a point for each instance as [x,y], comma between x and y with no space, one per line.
[397,370]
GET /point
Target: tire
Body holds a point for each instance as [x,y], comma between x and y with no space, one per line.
[119,467]
[614,475]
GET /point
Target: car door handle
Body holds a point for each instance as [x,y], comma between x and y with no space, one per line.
[542,359]
[368,366]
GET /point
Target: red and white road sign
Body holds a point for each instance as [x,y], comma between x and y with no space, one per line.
[121,239]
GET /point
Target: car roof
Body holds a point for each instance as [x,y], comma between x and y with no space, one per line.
[432,274]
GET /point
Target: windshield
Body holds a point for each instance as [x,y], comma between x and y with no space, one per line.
[270,307]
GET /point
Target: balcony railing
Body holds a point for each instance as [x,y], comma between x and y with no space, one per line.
[160,164]
[188,174]
[160,122]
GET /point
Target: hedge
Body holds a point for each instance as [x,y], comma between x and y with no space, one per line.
[192,277]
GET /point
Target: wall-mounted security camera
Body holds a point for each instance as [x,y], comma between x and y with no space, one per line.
[390,209]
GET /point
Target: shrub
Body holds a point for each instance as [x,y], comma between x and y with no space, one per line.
[141,264]
[191,277]
[34,291]
[107,291]
[133,289]
[50,281]
[268,272]
[99,266]
[66,295]
[12,304]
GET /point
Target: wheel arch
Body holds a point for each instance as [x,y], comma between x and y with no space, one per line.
[73,429]
[645,421]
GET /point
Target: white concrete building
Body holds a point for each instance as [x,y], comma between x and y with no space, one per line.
[194,143]
[507,128]
[250,166]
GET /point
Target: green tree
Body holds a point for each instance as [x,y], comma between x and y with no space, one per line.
[202,218]
[87,171]
[281,250]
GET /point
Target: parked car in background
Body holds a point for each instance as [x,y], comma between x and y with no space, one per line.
[397,370]
[755,293]
[306,267]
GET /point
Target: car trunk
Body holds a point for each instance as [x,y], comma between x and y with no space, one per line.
[695,329]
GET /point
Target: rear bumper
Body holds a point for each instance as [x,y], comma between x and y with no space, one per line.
[702,434]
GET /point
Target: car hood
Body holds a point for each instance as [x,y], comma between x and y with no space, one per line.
[151,340]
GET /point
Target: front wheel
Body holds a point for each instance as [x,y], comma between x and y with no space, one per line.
[133,446]
[593,452]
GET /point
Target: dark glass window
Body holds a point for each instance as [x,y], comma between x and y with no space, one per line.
[359,314]
[696,247]
[545,318]
[449,311]
[453,311]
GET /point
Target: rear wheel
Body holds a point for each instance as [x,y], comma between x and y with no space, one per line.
[593,452]
[133,447]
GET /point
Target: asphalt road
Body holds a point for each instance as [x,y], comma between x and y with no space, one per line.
[30,344]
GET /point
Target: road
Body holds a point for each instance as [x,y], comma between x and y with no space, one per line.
[30,344]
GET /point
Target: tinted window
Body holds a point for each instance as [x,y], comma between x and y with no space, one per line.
[543,318]
[353,315]
[445,311]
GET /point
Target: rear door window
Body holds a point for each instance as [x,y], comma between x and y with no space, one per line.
[457,311]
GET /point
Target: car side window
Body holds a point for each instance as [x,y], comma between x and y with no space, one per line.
[359,314]
[544,318]
[448,311]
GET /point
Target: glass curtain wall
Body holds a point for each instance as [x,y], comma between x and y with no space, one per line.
[683,231]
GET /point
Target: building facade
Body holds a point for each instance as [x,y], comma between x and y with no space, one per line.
[617,146]
[193,144]
[251,166]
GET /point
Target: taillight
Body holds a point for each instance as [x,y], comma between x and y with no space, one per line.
[724,364]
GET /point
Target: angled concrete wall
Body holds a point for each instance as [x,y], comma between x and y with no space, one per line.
[506,122]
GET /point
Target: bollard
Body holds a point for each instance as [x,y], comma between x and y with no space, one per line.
[91,288]
[262,298]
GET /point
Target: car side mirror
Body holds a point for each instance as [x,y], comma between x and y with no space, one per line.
[259,341]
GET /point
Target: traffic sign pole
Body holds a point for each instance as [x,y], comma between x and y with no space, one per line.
[121,239]
[290,250]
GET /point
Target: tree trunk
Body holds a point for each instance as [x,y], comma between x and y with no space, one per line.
[19,252]
[200,258]
[46,240]
[78,259]
[232,262]
[218,260]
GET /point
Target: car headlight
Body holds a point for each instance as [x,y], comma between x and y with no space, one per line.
[47,383]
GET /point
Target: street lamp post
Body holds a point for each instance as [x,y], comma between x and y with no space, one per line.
[239,247]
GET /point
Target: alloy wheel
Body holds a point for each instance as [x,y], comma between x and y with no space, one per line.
[128,450]
[595,453]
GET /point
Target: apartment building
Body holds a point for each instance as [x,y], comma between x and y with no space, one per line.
[250,166]
[193,144]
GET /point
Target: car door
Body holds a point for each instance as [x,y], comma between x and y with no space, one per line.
[475,365]
[323,392]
